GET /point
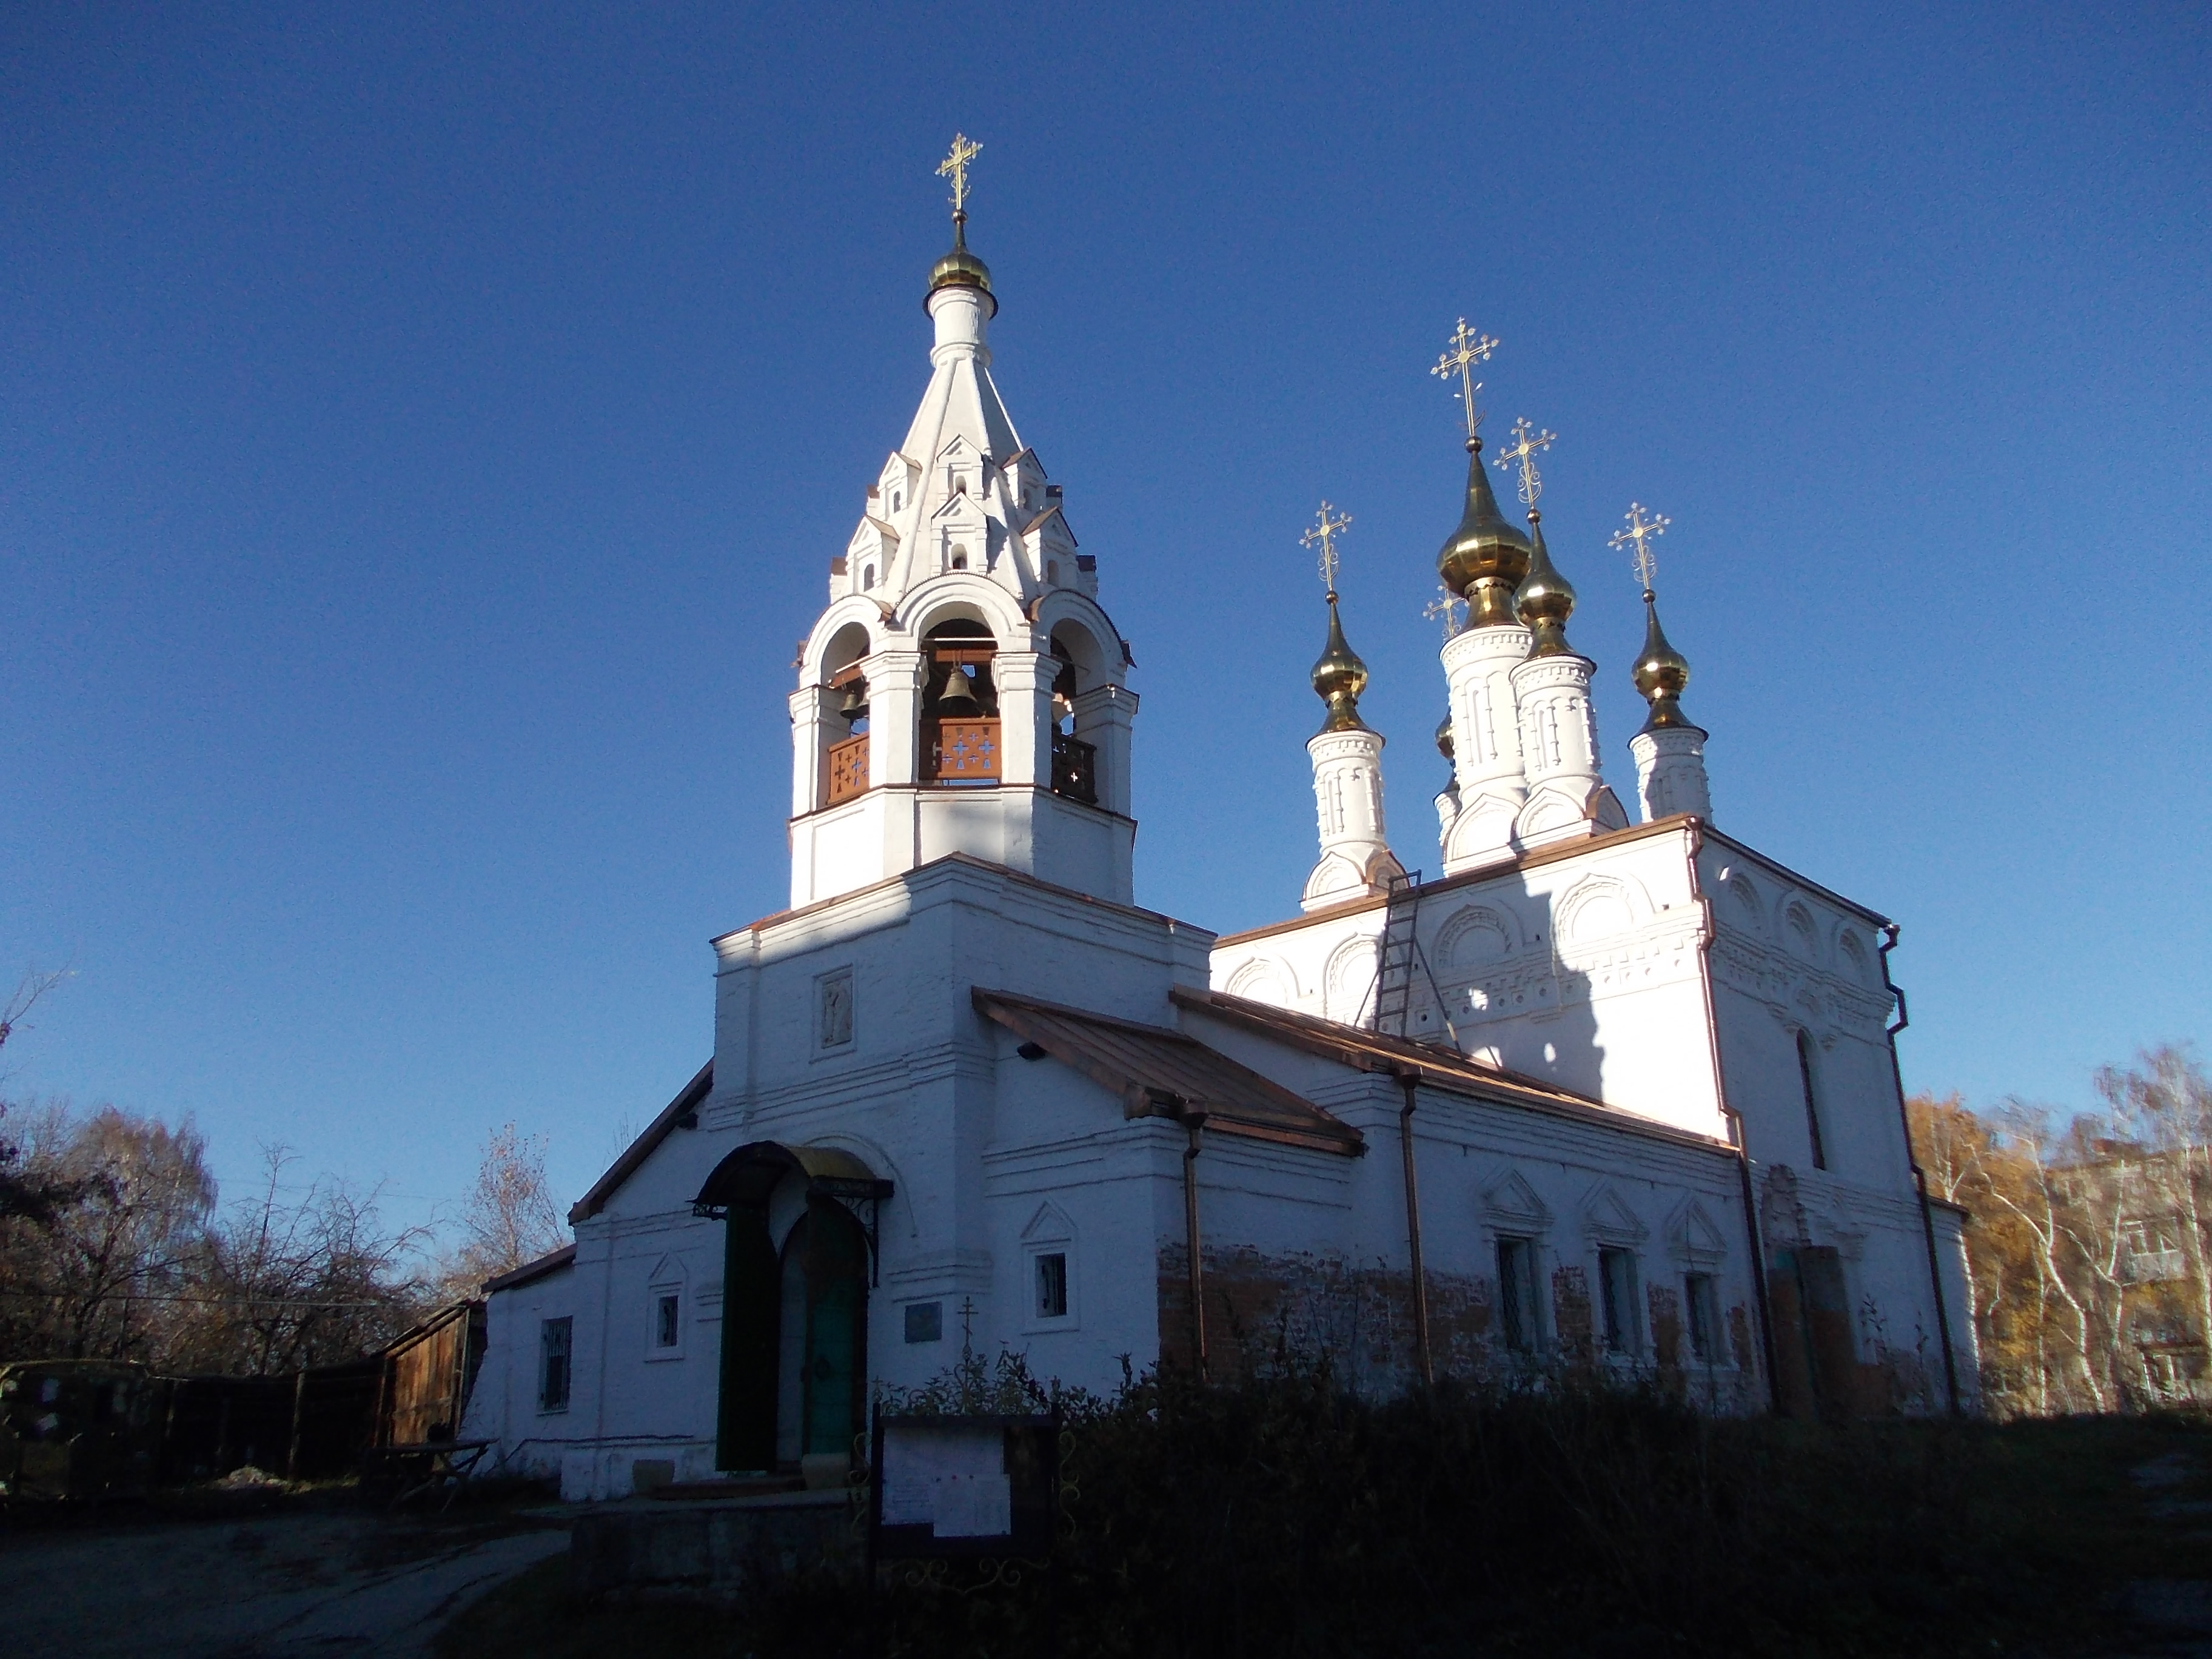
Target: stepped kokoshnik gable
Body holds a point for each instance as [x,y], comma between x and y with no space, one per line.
[1606,1095]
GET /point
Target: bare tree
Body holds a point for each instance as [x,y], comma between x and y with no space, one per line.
[24,1196]
[103,1276]
[292,1283]
[510,1219]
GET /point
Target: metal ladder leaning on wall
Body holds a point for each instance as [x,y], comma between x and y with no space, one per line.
[1393,975]
[1400,956]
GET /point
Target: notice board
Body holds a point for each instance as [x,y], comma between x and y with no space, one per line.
[954,1486]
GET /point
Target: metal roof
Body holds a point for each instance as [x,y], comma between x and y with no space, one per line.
[1438,1066]
[1160,1072]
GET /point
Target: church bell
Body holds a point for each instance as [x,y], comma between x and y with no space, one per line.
[854,708]
[957,700]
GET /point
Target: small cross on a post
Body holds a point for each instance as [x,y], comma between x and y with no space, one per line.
[1323,535]
[1446,607]
[1468,348]
[955,167]
[1638,535]
[1522,453]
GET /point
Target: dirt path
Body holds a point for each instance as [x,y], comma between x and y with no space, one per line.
[330,1582]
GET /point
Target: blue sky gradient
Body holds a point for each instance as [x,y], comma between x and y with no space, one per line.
[424,432]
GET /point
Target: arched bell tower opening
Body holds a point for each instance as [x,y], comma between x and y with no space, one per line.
[1078,673]
[844,760]
[960,739]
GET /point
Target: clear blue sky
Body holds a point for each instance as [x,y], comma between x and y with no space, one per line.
[423,433]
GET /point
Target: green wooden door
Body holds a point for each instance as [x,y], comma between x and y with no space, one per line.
[836,1326]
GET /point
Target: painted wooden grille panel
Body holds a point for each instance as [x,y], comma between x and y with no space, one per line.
[848,769]
[964,751]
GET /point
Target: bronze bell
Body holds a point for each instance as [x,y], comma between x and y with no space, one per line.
[957,700]
[854,708]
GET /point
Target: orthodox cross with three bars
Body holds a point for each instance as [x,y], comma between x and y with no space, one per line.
[1445,607]
[1639,534]
[955,167]
[1323,535]
[1468,348]
[1526,441]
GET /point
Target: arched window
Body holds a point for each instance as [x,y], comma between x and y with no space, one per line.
[1811,1102]
[959,555]
[867,576]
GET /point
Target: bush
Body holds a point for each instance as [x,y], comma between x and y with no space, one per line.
[1282,1516]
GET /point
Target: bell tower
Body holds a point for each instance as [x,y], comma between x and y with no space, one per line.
[963,692]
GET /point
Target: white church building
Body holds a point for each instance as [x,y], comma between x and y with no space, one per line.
[1602,1094]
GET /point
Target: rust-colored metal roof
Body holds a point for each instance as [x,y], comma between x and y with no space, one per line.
[551,1263]
[1444,1068]
[1160,1072]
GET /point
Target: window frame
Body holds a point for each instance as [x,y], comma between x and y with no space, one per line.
[1814,1131]
[1051,1232]
[1620,1332]
[1049,1270]
[1524,1334]
[1701,1321]
[566,1324]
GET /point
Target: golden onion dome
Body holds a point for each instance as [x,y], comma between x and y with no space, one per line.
[1339,677]
[1544,599]
[1660,671]
[960,268]
[1483,560]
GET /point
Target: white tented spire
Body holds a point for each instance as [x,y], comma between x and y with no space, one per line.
[962,491]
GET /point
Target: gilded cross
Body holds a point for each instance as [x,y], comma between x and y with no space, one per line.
[1323,535]
[955,167]
[1639,534]
[1445,607]
[1468,348]
[1522,453]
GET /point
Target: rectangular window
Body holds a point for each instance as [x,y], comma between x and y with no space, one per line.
[1616,1280]
[1516,1294]
[1702,1308]
[1812,1101]
[1052,1286]
[925,1321]
[554,1337]
[667,1308]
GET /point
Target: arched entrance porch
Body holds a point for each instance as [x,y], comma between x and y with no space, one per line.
[796,1263]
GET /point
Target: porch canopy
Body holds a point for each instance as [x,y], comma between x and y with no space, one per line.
[743,1180]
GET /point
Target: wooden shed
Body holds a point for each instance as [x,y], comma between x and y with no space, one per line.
[427,1374]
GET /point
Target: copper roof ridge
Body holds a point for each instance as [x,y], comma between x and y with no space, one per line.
[1805,882]
[1552,853]
[1454,1071]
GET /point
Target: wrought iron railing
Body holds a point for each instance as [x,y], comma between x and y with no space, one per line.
[848,769]
[1074,769]
[962,752]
